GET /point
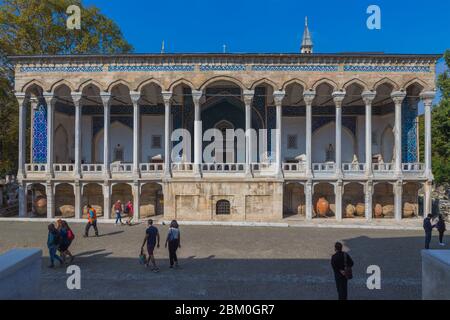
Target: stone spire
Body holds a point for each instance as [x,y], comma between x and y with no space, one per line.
[307,44]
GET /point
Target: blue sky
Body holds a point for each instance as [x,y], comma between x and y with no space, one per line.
[276,26]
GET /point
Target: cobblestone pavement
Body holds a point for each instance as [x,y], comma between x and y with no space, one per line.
[228,262]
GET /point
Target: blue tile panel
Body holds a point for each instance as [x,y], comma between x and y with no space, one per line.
[63,69]
[39,148]
[319,68]
[224,67]
[150,68]
[361,68]
[409,133]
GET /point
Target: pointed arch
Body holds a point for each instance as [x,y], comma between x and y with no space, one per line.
[33,83]
[264,81]
[63,82]
[330,82]
[181,81]
[147,82]
[387,81]
[418,82]
[295,81]
[91,82]
[355,81]
[118,82]
[222,78]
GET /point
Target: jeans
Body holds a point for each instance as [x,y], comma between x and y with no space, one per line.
[52,253]
[341,286]
[118,217]
[173,246]
[427,240]
[441,236]
[89,225]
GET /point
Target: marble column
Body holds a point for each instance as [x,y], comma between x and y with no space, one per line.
[136,201]
[22,134]
[398,195]
[428,199]
[338,97]
[106,100]
[50,194]
[427,98]
[309,96]
[23,199]
[308,199]
[167,96]
[78,200]
[106,201]
[76,98]
[368,200]
[135,96]
[196,97]
[248,99]
[50,101]
[398,97]
[278,97]
[368,97]
[338,188]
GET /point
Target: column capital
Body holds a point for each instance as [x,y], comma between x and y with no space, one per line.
[48,96]
[106,97]
[338,97]
[20,96]
[368,96]
[196,96]
[427,97]
[398,97]
[248,96]
[135,96]
[309,96]
[167,96]
[278,97]
[76,97]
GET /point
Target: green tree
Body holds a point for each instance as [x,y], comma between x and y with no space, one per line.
[39,27]
[440,128]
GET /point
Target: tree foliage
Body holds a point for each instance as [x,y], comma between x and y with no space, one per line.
[39,27]
[441,128]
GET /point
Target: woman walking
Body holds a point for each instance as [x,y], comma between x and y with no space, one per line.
[53,244]
[173,241]
[67,237]
[129,211]
[118,210]
[440,226]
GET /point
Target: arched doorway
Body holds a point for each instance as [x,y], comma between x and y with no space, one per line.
[324,200]
[353,200]
[152,200]
[122,192]
[410,199]
[294,200]
[64,201]
[383,200]
[92,195]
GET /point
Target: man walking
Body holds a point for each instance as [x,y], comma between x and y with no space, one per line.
[53,240]
[151,237]
[92,221]
[428,228]
[342,264]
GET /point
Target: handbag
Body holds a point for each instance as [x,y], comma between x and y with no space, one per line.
[348,273]
[142,257]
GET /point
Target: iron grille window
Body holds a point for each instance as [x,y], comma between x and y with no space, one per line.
[156,142]
[223,207]
[292,141]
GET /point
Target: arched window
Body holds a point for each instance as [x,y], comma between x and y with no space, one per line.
[223,207]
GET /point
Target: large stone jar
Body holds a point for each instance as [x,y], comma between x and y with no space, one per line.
[40,204]
[322,207]
[388,211]
[350,211]
[360,210]
[408,210]
[378,211]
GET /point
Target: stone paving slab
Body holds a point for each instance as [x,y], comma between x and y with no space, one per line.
[228,262]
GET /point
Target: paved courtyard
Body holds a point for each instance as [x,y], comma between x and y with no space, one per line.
[228,262]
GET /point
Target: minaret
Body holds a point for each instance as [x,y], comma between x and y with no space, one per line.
[307,44]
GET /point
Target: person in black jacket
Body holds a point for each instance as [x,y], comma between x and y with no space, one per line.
[428,227]
[440,226]
[340,261]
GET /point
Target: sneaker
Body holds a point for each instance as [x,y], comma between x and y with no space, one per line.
[155,270]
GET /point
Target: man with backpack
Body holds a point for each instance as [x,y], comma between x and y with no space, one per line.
[53,240]
[92,221]
[342,265]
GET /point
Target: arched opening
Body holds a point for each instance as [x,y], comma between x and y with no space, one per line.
[91,122]
[64,126]
[38,197]
[64,201]
[324,200]
[36,124]
[353,123]
[92,195]
[294,200]
[324,139]
[353,200]
[410,125]
[122,192]
[152,200]
[387,144]
[62,154]
[223,207]
[410,200]
[383,200]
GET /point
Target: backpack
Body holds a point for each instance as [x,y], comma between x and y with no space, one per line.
[70,235]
